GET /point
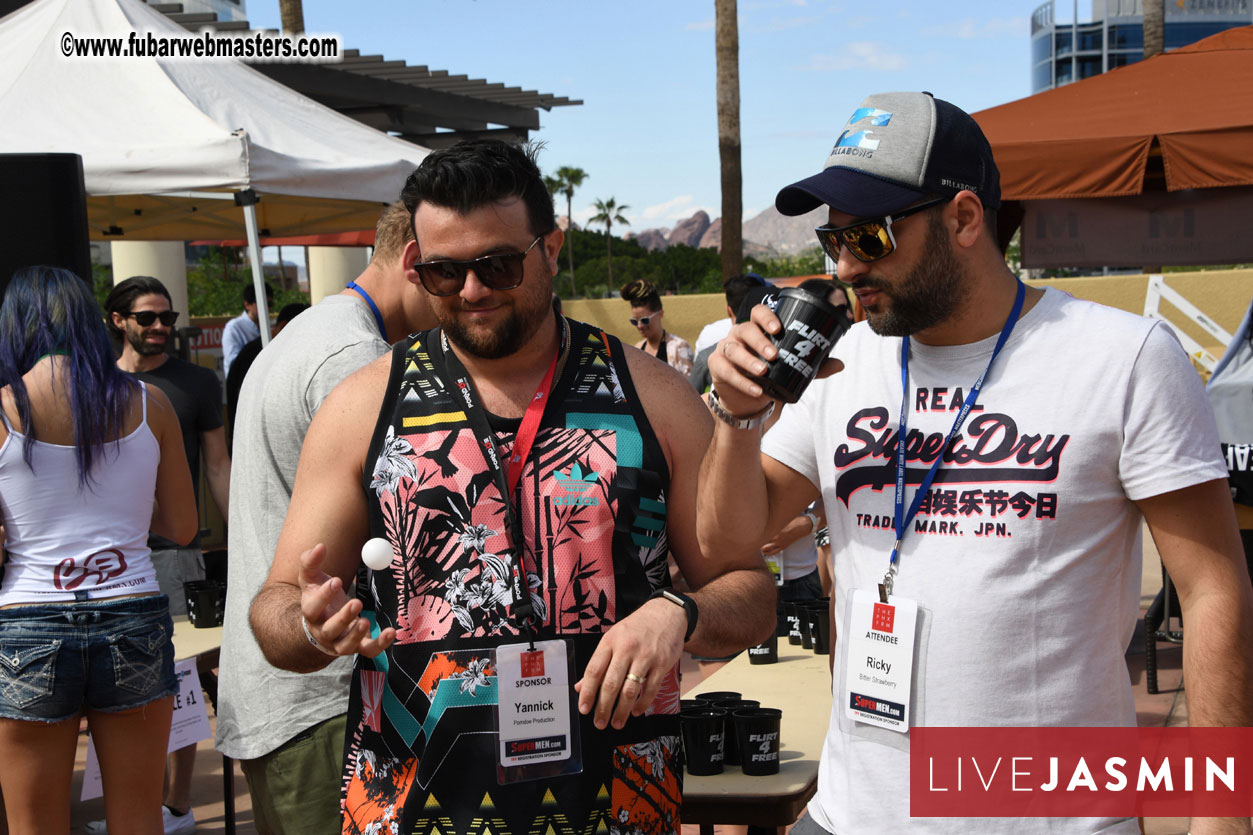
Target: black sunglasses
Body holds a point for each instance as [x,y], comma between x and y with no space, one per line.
[146,317]
[446,277]
[643,320]
[868,240]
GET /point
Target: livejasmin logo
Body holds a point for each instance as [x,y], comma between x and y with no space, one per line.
[1024,774]
[1080,772]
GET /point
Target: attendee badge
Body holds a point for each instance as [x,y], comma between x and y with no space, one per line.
[880,660]
[535,709]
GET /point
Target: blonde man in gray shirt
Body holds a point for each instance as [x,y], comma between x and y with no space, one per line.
[287,729]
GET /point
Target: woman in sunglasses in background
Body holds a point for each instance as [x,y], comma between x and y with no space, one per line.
[646,316]
[90,460]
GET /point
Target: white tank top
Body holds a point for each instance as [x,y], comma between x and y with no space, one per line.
[63,541]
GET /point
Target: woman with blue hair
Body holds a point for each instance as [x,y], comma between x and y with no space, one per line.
[90,460]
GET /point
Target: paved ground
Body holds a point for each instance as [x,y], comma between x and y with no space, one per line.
[1167,708]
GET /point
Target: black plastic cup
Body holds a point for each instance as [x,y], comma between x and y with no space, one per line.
[731,706]
[691,704]
[813,613]
[820,624]
[757,738]
[802,623]
[765,653]
[811,325]
[717,696]
[206,602]
[704,739]
[791,611]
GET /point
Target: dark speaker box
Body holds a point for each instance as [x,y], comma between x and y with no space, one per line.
[43,214]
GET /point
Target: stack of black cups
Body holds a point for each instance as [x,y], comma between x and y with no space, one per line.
[809,624]
[724,729]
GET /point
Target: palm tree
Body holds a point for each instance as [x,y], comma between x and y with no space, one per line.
[1154,26]
[292,14]
[553,184]
[570,178]
[609,212]
[727,48]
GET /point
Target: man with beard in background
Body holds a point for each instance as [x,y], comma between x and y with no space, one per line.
[138,310]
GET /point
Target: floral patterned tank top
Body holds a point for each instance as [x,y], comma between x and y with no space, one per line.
[420,756]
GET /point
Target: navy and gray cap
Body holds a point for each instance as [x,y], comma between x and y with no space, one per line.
[896,148]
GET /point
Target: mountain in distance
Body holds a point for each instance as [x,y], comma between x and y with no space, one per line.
[785,235]
[689,232]
[766,234]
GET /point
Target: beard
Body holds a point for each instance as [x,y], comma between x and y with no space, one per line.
[135,336]
[927,295]
[521,322]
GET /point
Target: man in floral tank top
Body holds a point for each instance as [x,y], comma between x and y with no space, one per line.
[529,475]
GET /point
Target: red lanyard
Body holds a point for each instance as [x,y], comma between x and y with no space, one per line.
[507,478]
[530,426]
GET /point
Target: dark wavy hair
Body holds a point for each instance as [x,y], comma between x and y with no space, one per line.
[122,298]
[250,293]
[476,172]
[641,293]
[737,287]
[50,310]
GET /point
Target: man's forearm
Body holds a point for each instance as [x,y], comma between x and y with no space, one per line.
[732,506]
[737,610]
[276,624]
[220,487]
[1218,673]
[1218,659]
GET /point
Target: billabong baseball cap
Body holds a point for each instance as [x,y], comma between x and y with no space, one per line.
[895,148]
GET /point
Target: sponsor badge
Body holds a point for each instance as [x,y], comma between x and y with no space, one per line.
[880,660]
[534,710]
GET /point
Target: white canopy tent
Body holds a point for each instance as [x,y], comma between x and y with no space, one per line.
[184,149]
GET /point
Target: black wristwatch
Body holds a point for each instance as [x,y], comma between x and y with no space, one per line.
[688,605]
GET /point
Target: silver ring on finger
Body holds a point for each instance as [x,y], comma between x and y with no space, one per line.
[637,679]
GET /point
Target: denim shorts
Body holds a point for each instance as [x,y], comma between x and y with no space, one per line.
[111,655]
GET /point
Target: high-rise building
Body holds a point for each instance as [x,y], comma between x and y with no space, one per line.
[1062,53]
[224,9]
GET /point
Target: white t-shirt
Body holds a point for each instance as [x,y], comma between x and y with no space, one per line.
[1028,571]
[799,559]
[713,333]
[237,333]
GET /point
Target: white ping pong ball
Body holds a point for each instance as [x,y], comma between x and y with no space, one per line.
[377,553]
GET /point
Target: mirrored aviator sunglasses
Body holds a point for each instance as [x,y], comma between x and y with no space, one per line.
[446,277]
[868,240]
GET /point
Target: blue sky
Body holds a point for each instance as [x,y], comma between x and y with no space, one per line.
[645,70]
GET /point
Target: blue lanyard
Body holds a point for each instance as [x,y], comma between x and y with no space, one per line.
[901,519]
[374,308]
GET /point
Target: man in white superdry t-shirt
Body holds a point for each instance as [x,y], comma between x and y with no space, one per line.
[1021,558]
